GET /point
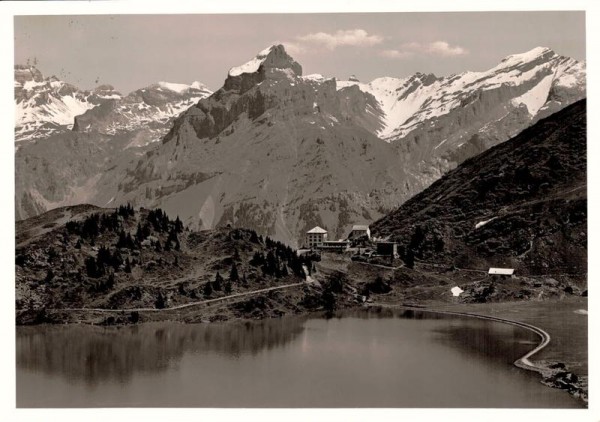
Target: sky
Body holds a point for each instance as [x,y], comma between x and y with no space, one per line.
[133,51]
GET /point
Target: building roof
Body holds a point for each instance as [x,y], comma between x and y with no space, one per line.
[501,271]
[360,227]
[317,229]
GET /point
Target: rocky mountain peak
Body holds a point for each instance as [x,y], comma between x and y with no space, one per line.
[104,87]
[25,73]
[269,63]
[273,57]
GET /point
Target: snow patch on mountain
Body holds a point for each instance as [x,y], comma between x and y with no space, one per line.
[528,56]
[535,98]
[179,88]
[315,77]
[47,106]
[252,65]
[407,103]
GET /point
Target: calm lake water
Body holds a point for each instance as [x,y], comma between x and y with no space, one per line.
[364,359]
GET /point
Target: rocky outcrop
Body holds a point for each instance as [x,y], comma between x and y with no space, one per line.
[150,110]
[284,154]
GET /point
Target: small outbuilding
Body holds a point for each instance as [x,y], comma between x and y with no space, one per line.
[502,272]
[360,231]
[387,249]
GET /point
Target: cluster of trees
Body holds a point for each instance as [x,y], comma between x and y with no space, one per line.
[239,234]
[225,285]
[107,262]
[98,266]
[279,258]
[93,225]
[161,223]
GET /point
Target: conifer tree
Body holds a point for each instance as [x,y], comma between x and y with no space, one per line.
[218,284]
[233,275]
[49,276]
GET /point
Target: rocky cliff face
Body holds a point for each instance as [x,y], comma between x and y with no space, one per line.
[149,109]
[274,151]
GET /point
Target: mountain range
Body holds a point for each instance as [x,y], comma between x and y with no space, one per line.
[46,106]
[277,151]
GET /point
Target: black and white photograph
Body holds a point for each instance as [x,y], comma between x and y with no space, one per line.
[348,209]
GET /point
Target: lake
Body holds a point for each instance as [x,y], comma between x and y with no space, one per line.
[377,358]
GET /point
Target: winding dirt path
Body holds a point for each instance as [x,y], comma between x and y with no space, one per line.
[185,305]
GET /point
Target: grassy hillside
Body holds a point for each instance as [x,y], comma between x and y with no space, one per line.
[122,258]
[521,204]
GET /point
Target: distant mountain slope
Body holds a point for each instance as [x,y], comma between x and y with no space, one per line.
[438,122]
[280,152]
[46,106]
[274,151]
[68,138]
[150,109]
[521,204]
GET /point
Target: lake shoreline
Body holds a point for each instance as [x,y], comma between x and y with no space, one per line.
[554,374]
[454,341]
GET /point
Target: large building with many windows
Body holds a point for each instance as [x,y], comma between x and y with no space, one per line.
[315,237]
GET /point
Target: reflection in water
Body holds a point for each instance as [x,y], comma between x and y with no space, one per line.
[477,337]
[97,354]
[376,358]
[506,342]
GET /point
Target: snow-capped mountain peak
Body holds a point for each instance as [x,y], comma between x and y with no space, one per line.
[252,65]
[46,106]
[273,57]
[531,79]
[528,56]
